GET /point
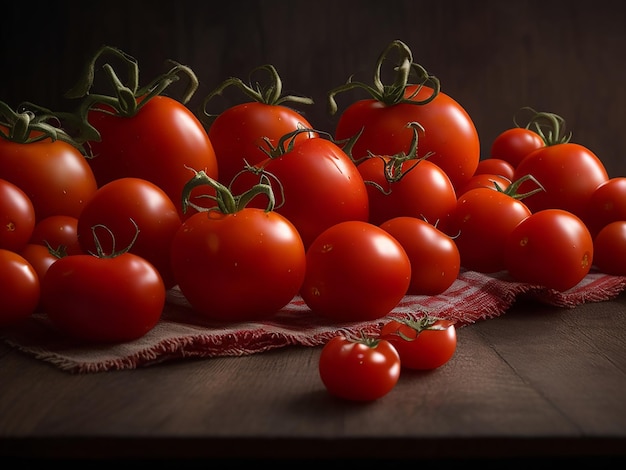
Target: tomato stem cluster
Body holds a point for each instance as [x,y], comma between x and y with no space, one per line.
[394,93]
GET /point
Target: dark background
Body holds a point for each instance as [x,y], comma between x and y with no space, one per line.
[492,56]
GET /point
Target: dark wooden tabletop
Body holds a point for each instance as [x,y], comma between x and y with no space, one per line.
[538,382]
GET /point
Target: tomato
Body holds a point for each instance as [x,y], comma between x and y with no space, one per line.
[485,180]
[58,231]
[362,370]
[239,263]
[123,206]
[383,120]
[142,134]
[423,344]
[19,288]
[53,173]
[315,183]
[495,166]
[609,248]
[569,172]
[17,216]
[482,221]
[240,133]
[40,257]
[423,190]
[552,248]
[434,256]
[606,204]
[103,299]
[513,144]
[355,271]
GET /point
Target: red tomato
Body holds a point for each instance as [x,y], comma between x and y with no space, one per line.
[54,175]
[39,257]
[482,222]
[423,344]
[424,191]
[513,144]
[361,370]
[19,288]
[609,248]
[17,216]
[124,206]
[355,271]
[103,299]
[552,248]
[238,265]
[449,132]
[495,166]
[434,256]
[58,231]
[160,144]
[606,204]
[485,180]
[569,172]
[240,133]
[316,185]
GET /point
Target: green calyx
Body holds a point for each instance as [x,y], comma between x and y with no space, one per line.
[395,92]
[270,94]
[549,126]
[31,123]
[226,201]
[128,97]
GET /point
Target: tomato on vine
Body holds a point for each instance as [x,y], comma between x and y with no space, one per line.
[236,263]
[407,185]
[240,133]
[569,172]
[449,132]
[44,161]
[361,369]
[103,298]
[424,343]
[141,133]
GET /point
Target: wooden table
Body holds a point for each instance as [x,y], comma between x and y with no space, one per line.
[538,382]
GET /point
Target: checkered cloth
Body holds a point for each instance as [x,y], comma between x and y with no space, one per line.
[181,333]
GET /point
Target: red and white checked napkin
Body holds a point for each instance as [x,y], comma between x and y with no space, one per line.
[181,333]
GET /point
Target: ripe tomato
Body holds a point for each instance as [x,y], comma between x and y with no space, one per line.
[482,222]
[240,133]
[423,344]
[17,216]
[434,256]
[118,209]
[40,257]
[609,248]
[449,132]
[19,288]
[569,172]
[316,185]
[103,299]
[552,248]
[606,204]
[54,175]
[495,166]
[58,231]
[361,370]
[237,264]
[140,133]
[513,144]
[423,190]
[355,271]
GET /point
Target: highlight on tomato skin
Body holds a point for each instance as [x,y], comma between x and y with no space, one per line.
[359,369]
[423,344]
